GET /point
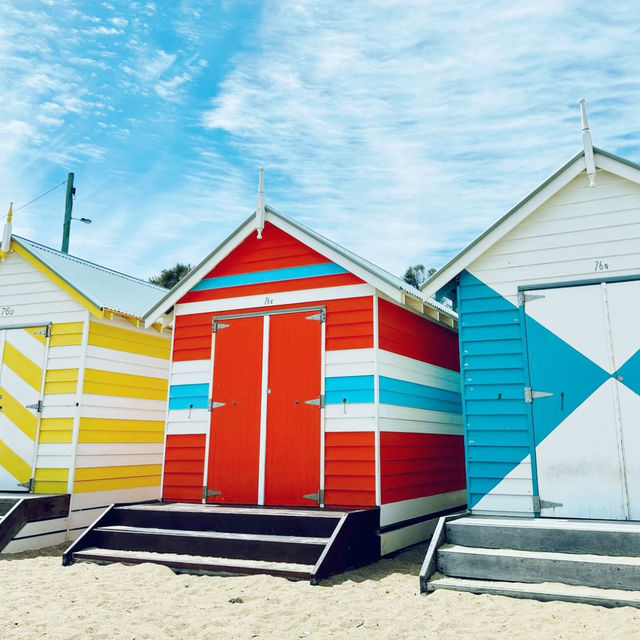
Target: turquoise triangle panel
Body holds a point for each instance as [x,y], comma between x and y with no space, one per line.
[629,373]
[558,368]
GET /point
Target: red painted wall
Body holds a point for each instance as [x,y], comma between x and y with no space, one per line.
[183,468]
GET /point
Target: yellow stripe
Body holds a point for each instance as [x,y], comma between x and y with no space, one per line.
[53,276]
[52,475]
[14,464]
[114,430]
[61,381]
[65,334]
[40,337]
[109,478]
[108,337]
[17,413]
[45,486]
[56,429]
[125,385]
[28,370]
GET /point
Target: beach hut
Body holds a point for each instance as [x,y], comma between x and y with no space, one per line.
[304,377]
[548,301]
[83,388]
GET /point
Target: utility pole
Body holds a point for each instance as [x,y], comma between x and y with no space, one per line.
[68,207]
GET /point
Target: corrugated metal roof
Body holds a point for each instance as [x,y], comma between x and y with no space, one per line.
[103,287]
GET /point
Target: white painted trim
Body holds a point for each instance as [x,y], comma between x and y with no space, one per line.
[281,298]
[406,536]
[617,168]
[323,426]
[207,438]
[36,440]
[407,509]
[166,418]
[264,399]
[376,397]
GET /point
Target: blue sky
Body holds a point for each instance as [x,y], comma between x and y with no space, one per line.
[398,128]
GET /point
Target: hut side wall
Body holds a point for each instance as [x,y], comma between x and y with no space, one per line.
[567,239]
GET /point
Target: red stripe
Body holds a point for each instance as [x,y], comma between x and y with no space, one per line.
[301,284]
[413,336]
[184,467]
[415,465]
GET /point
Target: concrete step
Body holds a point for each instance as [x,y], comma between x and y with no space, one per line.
[610,572]
[546,591]
[598,537]
[184,563]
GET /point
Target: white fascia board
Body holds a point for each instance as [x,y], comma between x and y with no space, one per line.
[214,258]
[357,270]
[617,168]
[503,226]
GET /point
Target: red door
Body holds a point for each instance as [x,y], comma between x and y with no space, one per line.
[292,460]
[234,442]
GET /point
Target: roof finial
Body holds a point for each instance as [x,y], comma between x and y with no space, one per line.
[6,234]
[260,204]
[588,145]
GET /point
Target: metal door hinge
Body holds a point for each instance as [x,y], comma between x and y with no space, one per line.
[207,493]
[319,401]
[318,497]
[320,316]
[217,326]
[216,405]
[46,332]
[530,395]
[37,406]
[523,297]
[28,485]
[539,505]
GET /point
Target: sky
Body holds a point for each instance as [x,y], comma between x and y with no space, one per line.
[400,129]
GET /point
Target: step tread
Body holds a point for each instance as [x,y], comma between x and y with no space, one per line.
[543,555]
[220,535]
[245,510]
[207,563]
[538,590]
[605,526]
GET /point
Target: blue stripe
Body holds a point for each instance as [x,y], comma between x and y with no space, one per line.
[188,396]
[418,396]
[349,388]
[273,275]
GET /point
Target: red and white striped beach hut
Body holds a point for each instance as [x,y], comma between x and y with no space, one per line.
[303,375]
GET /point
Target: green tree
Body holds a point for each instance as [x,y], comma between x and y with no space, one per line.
[169,278]
[417,275]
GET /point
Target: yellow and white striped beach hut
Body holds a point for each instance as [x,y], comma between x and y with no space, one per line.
[83,388]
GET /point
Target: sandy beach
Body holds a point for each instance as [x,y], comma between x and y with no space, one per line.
[41,599]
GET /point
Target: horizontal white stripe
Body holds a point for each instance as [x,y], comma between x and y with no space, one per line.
[37,542]
[92,402]
[64,411]
[56,402]
[89,462]
[306,296]
[342,425]
[105,498]
[355,367]
[63,362]
[53,462]
[125,362]
[426,425]
[42,526]
[406,536]
[65,351]
[15,439]
[82,519]
[392,365]
[190,378]
[190,366]
[351,410]
[54,449]
[348,356]
[26,344]
[394,412]
[187,428]
[118,448]
[407,509]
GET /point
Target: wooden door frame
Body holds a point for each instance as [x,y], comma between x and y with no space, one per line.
[266,314]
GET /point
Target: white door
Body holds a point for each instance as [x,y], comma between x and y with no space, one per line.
[22,362]
[583,362]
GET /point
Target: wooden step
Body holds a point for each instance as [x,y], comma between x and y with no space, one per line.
[287,522]
[252,546]
[614,572]
[597,537]
[539,591]
[183,563]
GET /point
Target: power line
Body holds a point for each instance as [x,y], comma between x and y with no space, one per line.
[42,195]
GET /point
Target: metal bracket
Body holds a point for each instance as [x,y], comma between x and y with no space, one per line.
[320,316]
[523,297]
[539,505]
[217,326]
[530,395]
[207,493]
[216,405]
[319,401]
[46,332]
[28,485]
[318,497]
[37,406]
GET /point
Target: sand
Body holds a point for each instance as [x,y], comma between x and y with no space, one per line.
[41,599]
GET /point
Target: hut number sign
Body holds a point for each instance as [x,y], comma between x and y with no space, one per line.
[6,311]
[600,265]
